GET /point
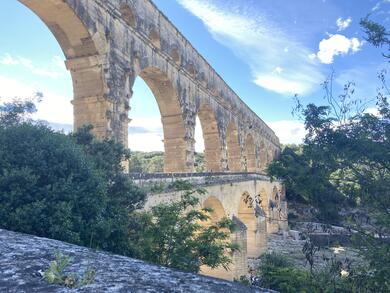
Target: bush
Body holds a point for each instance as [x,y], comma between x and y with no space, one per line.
[277,273]
[70,188]
[173,235]
[47,185]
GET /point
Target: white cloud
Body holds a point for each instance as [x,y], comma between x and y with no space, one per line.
[147,135]
[373,111]
[337,45]
[262,44]
[53,108]
[342,24]
[289,131]
[280,85]
[55,70]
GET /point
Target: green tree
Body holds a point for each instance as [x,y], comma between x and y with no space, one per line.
[156,164]
[123,197]
[69,188]
[352,148]
[173,235]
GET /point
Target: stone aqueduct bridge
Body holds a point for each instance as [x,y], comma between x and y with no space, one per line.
[108,43]
[256,205]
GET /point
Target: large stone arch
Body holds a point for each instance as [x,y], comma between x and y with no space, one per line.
[250,154]
[84,54]
[175,146]
[233,148]
[217,210]
[211,138]
[217,213]
[238,267]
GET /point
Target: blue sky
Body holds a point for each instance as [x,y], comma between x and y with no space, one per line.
[265,50]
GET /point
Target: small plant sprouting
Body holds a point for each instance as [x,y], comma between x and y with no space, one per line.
[56,274]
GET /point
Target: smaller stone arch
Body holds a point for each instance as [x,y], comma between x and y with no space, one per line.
[154,38]
[218,211]
[175,55]
[127,15]
[233,148]
[191,69]
[250,154]
[211,138]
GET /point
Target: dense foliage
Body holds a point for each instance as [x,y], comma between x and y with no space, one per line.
[278,273]
[62,187]
[182,236]
[153,162]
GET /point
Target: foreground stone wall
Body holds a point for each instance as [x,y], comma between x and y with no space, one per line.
[23,257]
[108,44]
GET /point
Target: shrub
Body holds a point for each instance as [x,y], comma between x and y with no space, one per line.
[70,188]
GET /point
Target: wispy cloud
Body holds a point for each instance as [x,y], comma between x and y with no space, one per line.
[55,70]
[262,44]
[379,4]
[336,45]
[343,24]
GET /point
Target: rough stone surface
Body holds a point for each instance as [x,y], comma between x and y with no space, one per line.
[23,256]
[108,44]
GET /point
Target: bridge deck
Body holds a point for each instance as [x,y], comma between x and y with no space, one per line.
[197,179]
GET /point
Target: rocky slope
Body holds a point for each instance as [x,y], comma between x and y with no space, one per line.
[23,258]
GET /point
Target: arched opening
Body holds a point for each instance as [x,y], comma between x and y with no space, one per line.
[171,119]
[128,15]
[146,135]
[233,148]
[199,159]
[82,60]
[250,154]
[217,213]
[211,138]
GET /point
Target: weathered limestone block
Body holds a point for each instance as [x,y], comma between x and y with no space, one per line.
[24,256]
